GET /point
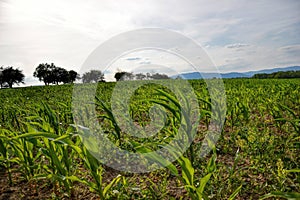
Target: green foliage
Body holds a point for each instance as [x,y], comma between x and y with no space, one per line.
[257,155]
[285,195]
[280,74]
[10,76]
[93,76]
[51,74]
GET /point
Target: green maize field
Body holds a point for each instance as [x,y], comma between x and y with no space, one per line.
[42,155]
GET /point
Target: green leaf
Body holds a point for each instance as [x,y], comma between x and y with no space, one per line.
[203,183]
[148,153]
[109,186]
[211,166]
[187,170]
[37,134]
[233,195]
[292,170]
[287,195]
[75,178]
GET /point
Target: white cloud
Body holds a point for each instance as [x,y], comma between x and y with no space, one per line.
[236,45]
[291,49]
[133,59]
[66,32]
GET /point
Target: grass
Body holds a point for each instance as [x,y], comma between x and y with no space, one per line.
[257,155]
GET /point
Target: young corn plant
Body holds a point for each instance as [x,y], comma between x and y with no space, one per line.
[294,120]
[187,177]
[179,116]
[94,168]
[54,148]
[21,152]
[96,171]
[107,114]
[5,160]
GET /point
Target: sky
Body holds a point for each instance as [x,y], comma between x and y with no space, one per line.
[237,35]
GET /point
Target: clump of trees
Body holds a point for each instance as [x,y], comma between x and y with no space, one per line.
[123,76]
[280,74]
[10,76]
[51,74]
[93,76]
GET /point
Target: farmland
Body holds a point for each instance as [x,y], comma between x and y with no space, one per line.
[42,155]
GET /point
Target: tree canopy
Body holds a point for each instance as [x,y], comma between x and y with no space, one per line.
[122,76]
[93,76]
[10,76]
[51,74]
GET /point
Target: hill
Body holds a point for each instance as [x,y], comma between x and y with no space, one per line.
[197,75]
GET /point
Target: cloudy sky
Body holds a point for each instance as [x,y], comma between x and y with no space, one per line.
[237,35]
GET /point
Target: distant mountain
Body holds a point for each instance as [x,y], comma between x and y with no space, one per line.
[270,71]
[197,75]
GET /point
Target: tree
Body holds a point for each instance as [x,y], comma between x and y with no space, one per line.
[93,76]
[62,75]
[119,76]
[140,76]
[122,76]
[50,74]
[44,73]
[11,76]
[72,76]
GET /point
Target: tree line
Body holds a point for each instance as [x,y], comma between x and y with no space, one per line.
[123,76]
[280,74]
[51,74]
